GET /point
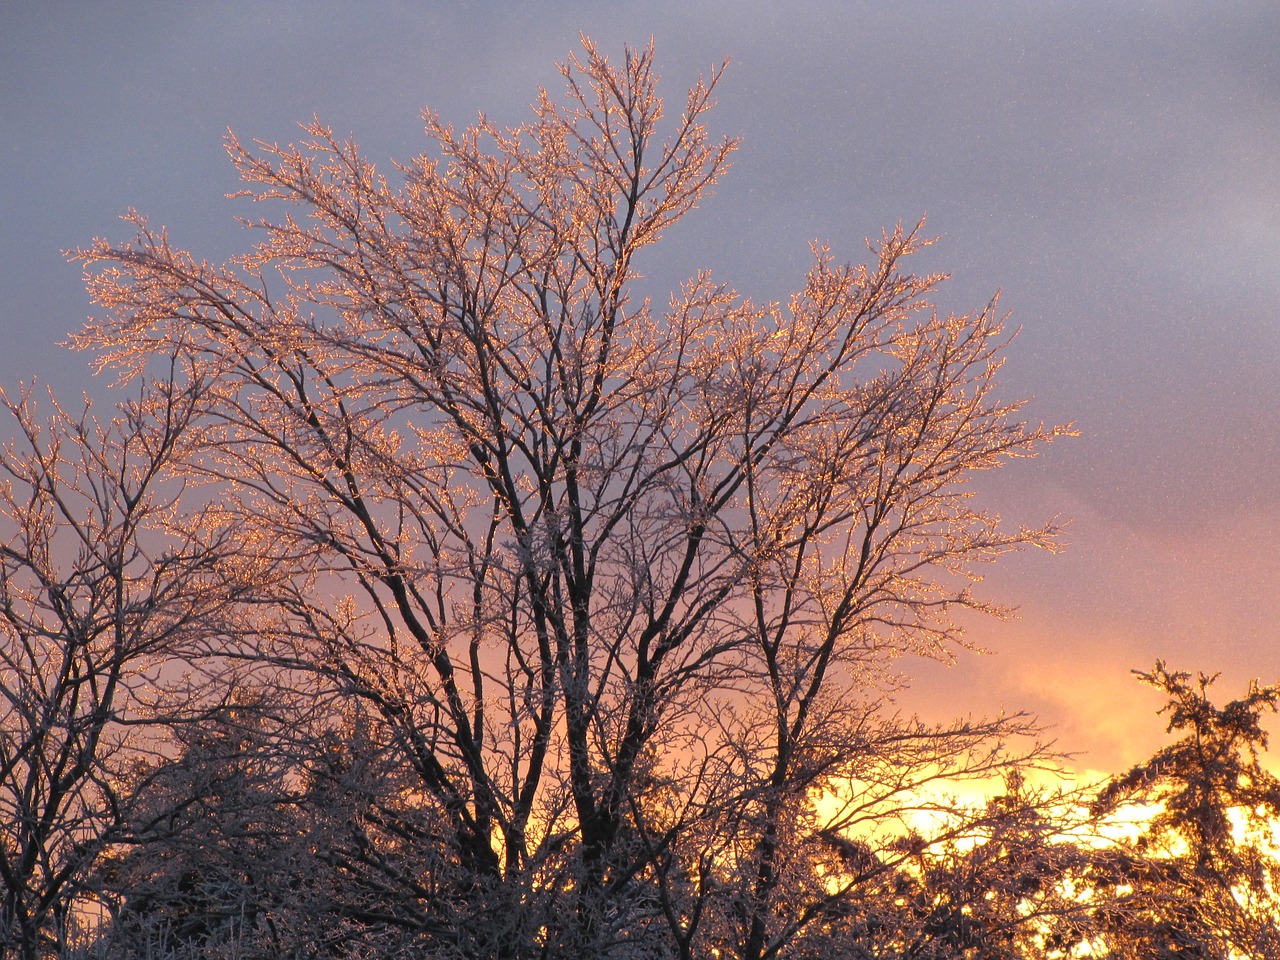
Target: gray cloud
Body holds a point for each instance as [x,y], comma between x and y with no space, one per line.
[1110,166]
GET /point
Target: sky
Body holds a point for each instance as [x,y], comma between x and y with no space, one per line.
[1109,167]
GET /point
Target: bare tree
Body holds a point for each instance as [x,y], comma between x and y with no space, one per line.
[595,555]
[97,592]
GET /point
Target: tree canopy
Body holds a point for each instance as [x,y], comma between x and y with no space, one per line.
[529,617]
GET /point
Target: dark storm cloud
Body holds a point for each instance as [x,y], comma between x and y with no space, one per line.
[1110,166]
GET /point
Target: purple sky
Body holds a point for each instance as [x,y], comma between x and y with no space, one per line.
[1112,167]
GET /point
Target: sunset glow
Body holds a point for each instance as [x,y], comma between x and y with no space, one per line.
[514,510]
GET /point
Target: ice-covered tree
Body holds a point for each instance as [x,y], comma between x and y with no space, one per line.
[99,590]
[585,557]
